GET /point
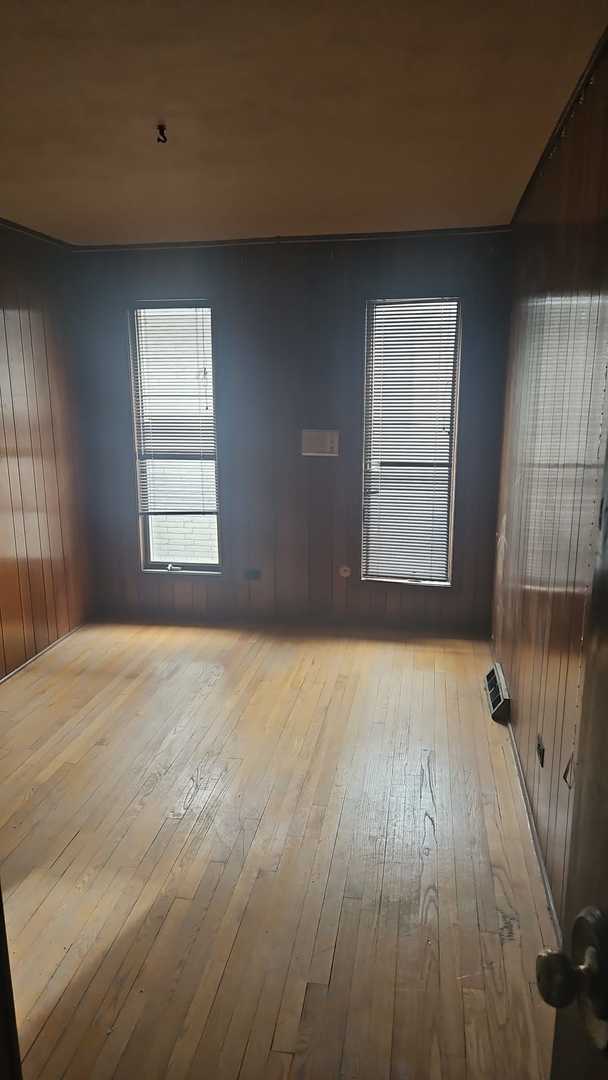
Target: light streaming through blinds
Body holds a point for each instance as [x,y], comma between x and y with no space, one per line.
[175,437]
[411,384]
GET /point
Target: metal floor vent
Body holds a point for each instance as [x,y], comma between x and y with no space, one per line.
[497,694]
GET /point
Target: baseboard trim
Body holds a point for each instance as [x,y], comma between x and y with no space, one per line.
[36,656]
[535,837]
[315,620]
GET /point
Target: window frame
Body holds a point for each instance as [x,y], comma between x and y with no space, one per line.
[147,565]
[370,305]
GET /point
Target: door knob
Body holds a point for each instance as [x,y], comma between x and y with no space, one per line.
[562,979]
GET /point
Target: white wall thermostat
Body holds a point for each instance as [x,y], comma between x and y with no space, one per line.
[320,443]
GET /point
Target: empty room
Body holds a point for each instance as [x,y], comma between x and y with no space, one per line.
[303,540]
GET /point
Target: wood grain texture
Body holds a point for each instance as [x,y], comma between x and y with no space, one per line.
[42,562]
[553,459]
[256,853]
[289,340]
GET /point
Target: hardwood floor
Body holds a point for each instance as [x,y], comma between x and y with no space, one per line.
[261,854]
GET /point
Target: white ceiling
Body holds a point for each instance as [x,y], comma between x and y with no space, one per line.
[283,118]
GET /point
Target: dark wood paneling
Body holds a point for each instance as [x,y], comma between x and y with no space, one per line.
[289,341]
[553,457]
[42,561]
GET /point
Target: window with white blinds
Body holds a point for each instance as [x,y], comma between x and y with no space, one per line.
[175,436]
[411,389]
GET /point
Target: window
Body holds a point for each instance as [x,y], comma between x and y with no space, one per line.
[411,389]
[175,440]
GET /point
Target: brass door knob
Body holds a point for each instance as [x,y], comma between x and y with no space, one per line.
[584,977]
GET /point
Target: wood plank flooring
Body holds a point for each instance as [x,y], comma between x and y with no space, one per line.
[259,854]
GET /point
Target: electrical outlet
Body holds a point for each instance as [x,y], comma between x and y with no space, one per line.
[252,574]
[540,750]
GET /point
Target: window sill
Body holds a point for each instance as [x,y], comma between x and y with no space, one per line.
[410,581]
[185,572]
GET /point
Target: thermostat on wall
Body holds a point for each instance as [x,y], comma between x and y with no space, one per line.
[316,443]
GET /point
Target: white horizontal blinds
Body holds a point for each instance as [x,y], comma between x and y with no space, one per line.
[175,434]
[410,397]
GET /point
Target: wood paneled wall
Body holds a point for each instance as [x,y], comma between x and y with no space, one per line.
[553,459]
[289,352]
[43,590]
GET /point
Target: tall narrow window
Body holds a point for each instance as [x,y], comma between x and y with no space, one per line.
[175,438]
[411,389]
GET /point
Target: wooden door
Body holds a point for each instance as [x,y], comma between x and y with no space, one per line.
[10,1068]
[573,1052]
